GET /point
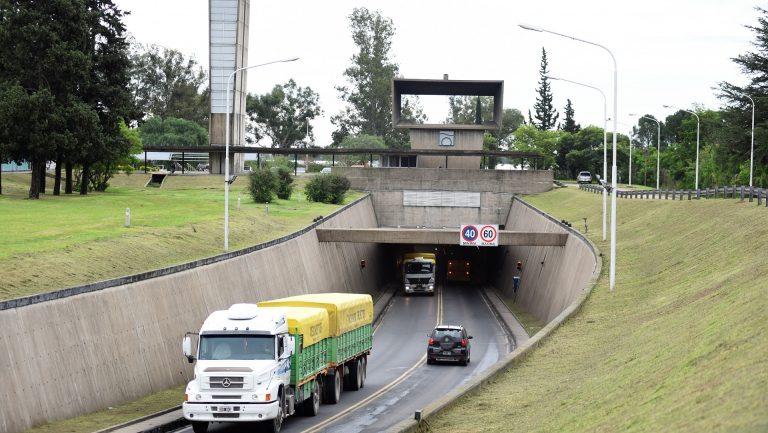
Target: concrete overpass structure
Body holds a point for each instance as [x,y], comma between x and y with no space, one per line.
[433,236]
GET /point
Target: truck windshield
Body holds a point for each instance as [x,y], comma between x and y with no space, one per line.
[242,347]
[418,268]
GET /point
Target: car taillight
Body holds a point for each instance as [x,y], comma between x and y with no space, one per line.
[431,341]
[463,342]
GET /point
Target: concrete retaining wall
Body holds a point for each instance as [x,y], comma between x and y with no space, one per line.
[79,354]
[552,277]
[496,188]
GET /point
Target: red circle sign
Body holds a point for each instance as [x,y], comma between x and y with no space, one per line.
[488,233]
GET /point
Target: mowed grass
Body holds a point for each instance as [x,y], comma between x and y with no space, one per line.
[680,345]
[70,240]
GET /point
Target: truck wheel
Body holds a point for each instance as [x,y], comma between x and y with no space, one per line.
[364,363]
[274,425]
[332,389]
[200,426]
[311,406]
[353,380]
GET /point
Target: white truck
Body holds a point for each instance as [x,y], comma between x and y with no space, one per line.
[265,362]
[419,271]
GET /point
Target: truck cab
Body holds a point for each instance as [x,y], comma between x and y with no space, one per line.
[419,270]
[243,367]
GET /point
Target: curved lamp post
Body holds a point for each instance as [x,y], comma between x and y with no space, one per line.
[227,180]
[605,142]
[613,167]
[698,124]
[658,144]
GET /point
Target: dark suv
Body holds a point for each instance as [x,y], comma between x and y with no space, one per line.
[448,343]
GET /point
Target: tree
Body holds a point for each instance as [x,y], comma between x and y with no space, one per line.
[283,115]
[167,84]
[570,125]
[737,113]
[172,132]
[106,92]
[368,93]
[546,115]
[363,141]
[42,65]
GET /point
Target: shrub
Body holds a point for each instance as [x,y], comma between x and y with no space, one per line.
[327,188]
[262,184]
[284,183]
[314,167]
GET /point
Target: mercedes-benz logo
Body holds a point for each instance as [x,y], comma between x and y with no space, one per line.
[226,382]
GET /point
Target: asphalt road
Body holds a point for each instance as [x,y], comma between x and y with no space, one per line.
[399,381]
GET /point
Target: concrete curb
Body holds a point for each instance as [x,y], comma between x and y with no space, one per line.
[519,353]
[174,414]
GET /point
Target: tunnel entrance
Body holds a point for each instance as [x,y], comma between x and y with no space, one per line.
[455,265]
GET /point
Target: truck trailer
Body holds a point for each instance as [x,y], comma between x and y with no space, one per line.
[419,271]
[267,361]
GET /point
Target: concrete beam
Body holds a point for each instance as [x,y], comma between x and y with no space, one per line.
[433,236]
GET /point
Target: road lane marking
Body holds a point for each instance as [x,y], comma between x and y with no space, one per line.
[394,383]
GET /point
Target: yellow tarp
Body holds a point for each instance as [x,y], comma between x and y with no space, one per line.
[426,256]
[346,311]
[312,323]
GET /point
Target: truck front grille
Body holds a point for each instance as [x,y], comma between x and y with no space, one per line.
[226,382]
[423,281]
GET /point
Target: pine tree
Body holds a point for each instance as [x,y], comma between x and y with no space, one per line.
[546,115]
[570,125]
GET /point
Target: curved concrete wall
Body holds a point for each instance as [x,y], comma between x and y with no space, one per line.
[552,277]
[78,354]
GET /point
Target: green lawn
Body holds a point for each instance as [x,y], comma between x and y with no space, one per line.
[681,345]
[69,240]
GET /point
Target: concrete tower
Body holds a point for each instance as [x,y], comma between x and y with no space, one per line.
[228,43]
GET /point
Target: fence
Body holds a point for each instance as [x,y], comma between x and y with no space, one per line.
[733,192]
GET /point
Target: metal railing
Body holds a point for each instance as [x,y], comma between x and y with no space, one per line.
[731,192]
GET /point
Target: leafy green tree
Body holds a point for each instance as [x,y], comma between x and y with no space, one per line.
[165,83]
[42,65]
[569,124]
[262,184]
[171,131]
[546,115]
[531,139]
[283,115]
[368,92]
[737,113]
[362,141]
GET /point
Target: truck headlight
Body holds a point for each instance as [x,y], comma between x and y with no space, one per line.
[431,287]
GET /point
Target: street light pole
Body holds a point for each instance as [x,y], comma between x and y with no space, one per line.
[227,180]
[752,145]
[698,124]
[658,145]
[613,167]
[605,143]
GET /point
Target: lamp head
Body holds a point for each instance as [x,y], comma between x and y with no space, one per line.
[530,27]
[667,106]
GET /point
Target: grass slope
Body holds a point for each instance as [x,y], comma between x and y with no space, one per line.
[65,241]
[681,345]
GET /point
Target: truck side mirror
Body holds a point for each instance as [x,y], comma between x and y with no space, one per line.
[186,347]
[288,346]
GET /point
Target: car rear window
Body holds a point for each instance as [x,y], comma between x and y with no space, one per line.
[440,333]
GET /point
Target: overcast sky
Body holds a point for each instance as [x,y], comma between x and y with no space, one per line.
[667,52]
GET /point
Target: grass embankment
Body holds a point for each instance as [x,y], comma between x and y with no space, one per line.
[70,240]
[681,345]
